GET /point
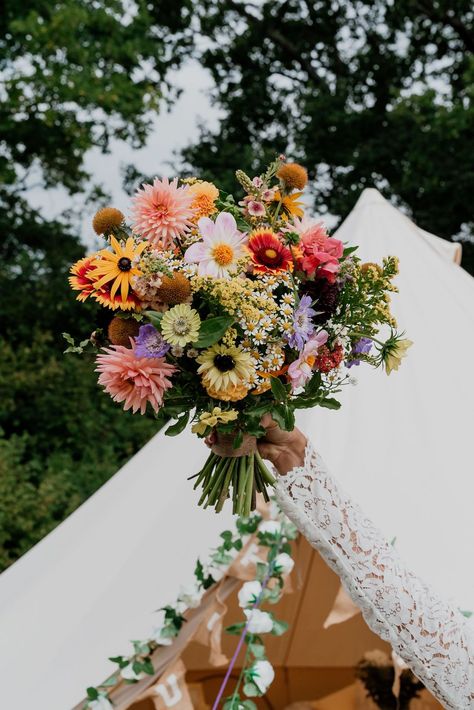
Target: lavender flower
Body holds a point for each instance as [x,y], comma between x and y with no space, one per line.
[302,324]
[150,343]
[361,347]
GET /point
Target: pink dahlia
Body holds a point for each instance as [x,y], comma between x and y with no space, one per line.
[132,379]
[162,212]
[321,254]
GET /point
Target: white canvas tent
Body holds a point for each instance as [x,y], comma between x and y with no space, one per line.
[401,445]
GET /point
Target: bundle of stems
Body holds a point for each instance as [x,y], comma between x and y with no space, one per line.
[238,477]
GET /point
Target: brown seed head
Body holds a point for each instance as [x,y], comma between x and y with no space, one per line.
[120,331]
[293,176]
[174,289]
[106,219]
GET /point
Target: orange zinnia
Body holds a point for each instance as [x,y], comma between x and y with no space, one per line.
[267,251]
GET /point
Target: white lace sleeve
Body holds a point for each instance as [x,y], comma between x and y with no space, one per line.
[431,635]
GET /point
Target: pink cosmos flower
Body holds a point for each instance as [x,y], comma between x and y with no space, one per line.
[221,248]
[162,211]
[301,370]
[134,380]
[256,209]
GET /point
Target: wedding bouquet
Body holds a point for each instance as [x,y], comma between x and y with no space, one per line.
[223,311]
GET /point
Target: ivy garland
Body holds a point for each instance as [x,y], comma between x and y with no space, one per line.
[257,673]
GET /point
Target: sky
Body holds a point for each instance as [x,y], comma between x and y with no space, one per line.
[172,131]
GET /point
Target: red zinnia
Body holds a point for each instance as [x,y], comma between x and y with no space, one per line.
[267,251]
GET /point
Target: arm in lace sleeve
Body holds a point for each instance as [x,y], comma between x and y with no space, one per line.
[430,635]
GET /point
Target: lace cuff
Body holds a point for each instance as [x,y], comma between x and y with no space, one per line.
[429,634]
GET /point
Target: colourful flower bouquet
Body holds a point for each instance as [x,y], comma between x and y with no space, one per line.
[221,312]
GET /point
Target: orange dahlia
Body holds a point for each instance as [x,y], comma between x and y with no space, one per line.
[205,195]
[268,253]
[82,277]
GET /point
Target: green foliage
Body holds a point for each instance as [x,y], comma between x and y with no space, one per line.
[364,94]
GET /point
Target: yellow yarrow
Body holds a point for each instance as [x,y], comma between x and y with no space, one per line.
[211,419]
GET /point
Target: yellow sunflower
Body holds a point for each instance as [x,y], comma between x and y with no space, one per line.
[224,367]
[117,266]
[290,204]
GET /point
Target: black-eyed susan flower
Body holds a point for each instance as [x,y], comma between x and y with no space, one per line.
[290,205]
[117,268]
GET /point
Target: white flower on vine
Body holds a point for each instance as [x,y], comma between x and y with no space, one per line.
[262,674]
[270,527]
[249,593]
[128,673]
[190,596]
[101,703]
[283,563]
[158,637]
[259,622]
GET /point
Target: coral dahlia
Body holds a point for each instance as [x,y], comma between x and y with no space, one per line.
[135,381]
[162,212]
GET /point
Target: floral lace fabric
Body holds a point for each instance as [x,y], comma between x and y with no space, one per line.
[431,635]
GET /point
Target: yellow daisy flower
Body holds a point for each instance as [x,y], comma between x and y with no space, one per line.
[225,367]
[117,266]
[180,325]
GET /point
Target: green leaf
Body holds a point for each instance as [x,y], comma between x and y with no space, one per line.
[279,627]
[313,386]
[349,250]
[235,629]
[147,667]
[278,413]
[179,426]
[251,690]
[212,330]
[155,318]
[257,649]
[278,389]
[92,693]
[289,419]
[330,403]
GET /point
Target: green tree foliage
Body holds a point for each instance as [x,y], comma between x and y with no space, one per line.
[75,74]
[365,93]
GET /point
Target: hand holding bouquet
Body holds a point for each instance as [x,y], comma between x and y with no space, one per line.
[222,312]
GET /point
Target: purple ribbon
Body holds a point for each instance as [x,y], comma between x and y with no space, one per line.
[241,640]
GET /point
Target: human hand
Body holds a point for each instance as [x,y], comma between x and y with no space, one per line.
[284,449]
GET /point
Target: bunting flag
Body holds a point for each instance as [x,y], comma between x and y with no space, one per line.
[209,632]
[171,691]
[343,609]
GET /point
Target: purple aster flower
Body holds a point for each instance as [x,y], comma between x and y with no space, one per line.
[303,326]
[150,343]
[361,347]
